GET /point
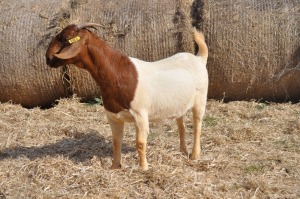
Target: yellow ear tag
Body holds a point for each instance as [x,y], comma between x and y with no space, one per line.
[77,38]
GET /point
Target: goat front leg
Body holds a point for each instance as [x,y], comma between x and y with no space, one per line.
[181,131]
[142,130]
[117,128]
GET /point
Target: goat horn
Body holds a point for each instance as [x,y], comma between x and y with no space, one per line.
[89,25]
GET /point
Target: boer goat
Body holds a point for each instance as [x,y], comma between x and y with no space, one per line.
[138,91]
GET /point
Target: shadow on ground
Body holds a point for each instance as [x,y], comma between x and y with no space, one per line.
[80,148]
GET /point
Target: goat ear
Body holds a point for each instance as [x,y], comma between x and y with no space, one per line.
[70,51]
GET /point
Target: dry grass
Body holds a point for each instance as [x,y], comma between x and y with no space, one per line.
[249,150]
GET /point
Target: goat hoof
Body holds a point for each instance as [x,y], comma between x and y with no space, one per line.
[144,168]
[118,166]
[184,152]
[195,156]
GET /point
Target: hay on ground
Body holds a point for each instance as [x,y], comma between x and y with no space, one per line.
[249,150]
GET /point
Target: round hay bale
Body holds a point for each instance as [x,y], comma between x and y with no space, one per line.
[24,78]
[254,49]
[148,30]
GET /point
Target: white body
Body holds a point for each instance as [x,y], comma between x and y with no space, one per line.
[168,88]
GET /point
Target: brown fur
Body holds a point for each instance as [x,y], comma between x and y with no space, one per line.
[112,70]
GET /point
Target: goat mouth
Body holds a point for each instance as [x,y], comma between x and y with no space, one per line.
[53,63]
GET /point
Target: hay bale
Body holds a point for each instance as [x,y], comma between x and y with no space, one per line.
[254,49]
[148,30]
[24,77]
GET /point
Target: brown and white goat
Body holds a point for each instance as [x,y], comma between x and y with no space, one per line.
[138,91]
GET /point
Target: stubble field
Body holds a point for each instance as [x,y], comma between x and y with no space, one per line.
[249,150]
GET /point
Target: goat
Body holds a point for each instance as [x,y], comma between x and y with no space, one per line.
[137,91]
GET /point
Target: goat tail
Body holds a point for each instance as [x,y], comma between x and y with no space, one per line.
[200,40]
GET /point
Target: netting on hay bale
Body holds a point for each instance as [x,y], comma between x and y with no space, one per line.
[148,30]
[254,49]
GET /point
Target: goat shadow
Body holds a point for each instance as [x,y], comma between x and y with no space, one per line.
[79,148]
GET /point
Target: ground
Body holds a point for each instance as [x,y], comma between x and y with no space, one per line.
[249,150]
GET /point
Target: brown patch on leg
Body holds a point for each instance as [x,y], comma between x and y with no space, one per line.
[142,130]
[141,148]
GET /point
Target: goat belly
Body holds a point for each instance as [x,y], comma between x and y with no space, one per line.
[172,105]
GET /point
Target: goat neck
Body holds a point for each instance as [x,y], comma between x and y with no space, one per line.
[113,71]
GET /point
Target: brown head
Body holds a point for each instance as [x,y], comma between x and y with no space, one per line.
[112,70]
[66,47]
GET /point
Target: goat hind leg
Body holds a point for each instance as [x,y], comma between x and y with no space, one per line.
[181,131]
[198,114]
